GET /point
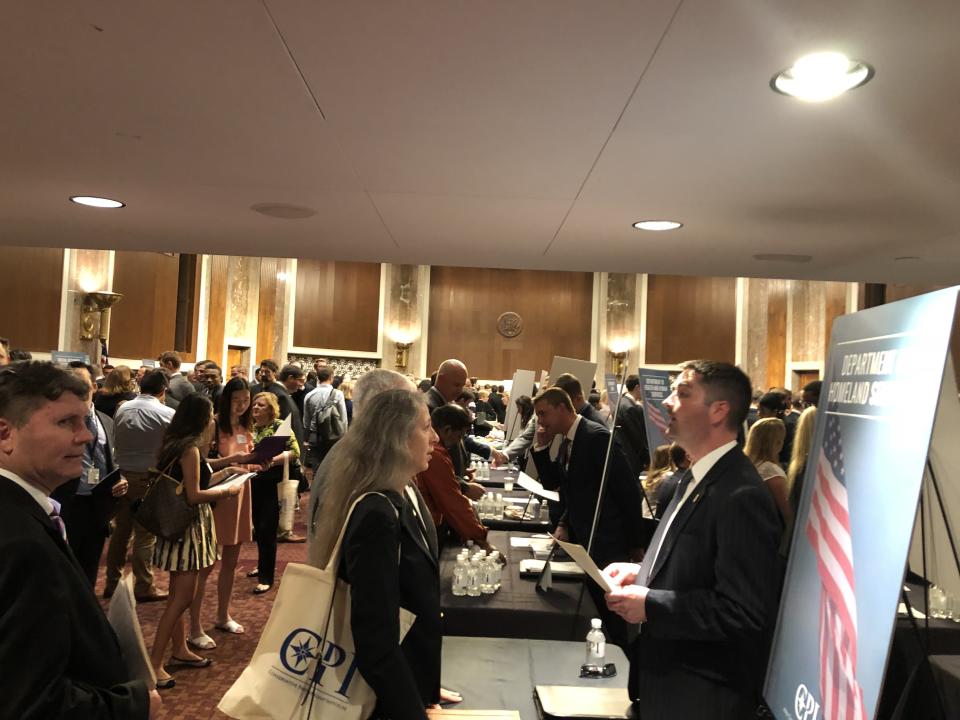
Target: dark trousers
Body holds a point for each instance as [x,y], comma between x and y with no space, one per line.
[266,520]
[85,533]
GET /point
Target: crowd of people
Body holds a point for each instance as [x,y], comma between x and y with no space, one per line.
[692,535]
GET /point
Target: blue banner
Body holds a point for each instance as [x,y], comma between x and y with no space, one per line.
[655,388]
[855,519]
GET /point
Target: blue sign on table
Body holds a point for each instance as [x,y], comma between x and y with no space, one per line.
[856,515]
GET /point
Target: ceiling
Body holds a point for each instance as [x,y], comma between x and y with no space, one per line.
[497,133]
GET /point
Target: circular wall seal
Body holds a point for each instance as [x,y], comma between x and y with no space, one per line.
[509,324]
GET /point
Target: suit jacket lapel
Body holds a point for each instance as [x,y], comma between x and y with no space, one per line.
[691,506]
[410,524]
[11,493]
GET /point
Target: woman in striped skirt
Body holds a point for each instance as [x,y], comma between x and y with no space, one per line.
[183,456]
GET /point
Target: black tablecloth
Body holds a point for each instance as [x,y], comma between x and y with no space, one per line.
[500,673]
[517,610]
[946,675]
[498,476]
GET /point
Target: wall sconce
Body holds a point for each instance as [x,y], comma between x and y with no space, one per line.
[619,362]
[403,355]
[94,305]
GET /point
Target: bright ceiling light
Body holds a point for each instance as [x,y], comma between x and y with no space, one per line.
[821,76]
[97,202]
[657,225]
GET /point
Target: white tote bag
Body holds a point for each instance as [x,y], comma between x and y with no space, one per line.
[287,496]
[304,666]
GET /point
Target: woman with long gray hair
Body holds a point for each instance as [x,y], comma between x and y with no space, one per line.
[386,555]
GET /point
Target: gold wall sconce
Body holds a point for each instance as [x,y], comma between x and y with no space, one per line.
[403,355]
[619,362]
[91,312]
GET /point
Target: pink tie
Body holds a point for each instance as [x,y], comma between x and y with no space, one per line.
[57,520]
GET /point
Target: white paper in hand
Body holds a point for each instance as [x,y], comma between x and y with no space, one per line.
[286,427]
[579,555]
[531,485]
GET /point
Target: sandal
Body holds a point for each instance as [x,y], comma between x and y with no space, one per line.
[261,589]
[202,642]
[166,683]
[230,626]
[254,573]
[184,662]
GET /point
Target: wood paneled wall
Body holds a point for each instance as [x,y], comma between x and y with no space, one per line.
[816,305]
[465,303]
[217,309]
[31,285]
[765,346]
[267,310]
[690,318]
[338,305]
[143,323]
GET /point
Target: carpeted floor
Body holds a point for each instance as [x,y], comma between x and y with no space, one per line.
[198,691]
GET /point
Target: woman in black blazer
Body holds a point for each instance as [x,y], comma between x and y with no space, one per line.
[388,555]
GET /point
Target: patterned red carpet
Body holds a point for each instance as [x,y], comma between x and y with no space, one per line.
[198,691]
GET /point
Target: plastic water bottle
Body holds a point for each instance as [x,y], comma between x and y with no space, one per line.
[545,512]
[473,580]
[535,509]
[499,512]
[486,577]
[497,569]
[938,603]
[596,643]
[485,470]
[459,577]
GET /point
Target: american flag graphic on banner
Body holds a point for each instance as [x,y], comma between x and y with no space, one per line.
[828,530]
[658,419]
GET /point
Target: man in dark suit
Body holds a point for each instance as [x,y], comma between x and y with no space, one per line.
[59,655]
[571,385]
[708,586]
[496,402]
[268,383]
[632,428]
[576,471]
[88,514]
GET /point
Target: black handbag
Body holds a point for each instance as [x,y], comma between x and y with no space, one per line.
[164,510]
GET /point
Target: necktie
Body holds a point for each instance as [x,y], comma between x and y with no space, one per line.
[98,457]
[563,457]
[654,549]
[57,520]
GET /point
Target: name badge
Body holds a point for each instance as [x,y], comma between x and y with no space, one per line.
[242,439]
[93,476]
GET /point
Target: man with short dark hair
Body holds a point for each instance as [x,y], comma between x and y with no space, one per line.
[179,387]
[707,589]
[293,380]
[450,509]
[316,400]
[495,400]
[571,385]
[139,425]
[268,383]
[59,655]
[633,426]
[811,393]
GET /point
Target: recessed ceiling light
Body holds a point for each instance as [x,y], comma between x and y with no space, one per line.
[97,202]
[657,225]
[821,76]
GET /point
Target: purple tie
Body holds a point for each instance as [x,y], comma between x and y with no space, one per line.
[57,520]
